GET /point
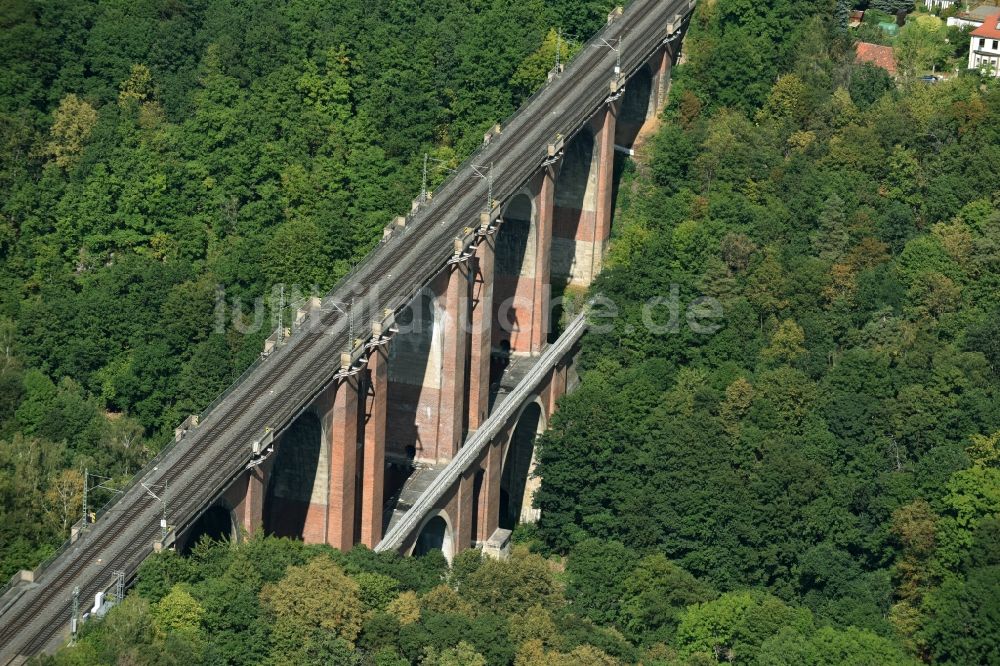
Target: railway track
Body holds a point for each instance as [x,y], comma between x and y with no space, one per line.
[215,453]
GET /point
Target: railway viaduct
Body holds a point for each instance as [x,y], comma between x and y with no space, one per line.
[400,411]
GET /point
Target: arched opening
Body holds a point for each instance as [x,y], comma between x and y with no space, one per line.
[636,108]
[574,216]
[512,286]
[413,342]
[216,524]
[291,487]
[517,489]
[414,374]
[573,184]
[436,535]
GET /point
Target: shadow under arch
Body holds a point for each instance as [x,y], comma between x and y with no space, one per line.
[574,206]
[516,493]
[216,523]
[514,243]
[636,107]
[574,189]
[413,359]
[436,534]
[290,486]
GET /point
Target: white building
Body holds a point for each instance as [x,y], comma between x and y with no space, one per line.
[984,46]
[973,18]
[940,4]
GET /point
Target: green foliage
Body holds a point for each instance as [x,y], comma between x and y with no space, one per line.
[842,15]
[892,7]
[463,565]
[654,596]
[535,69]
[462,654]
[597,571]
[376,590]
[868,84]
[963,617]
[419,574]
[179,612]
[511,586]
[973,495]
[736,625]
[831,647]
[755,37]
[922,44]
[310,601]
[817,447]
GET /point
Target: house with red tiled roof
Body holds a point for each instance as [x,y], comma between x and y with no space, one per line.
[984,46]
[876,54]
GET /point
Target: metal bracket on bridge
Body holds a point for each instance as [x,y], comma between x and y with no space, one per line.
[397,225]
[272,341]
[349,361]
[263,442]
[555,151]
[381,330]
[488,220]
[310,307]
[494,131]
[162,544]
[463,244]
[674,28]
[189,423]
[261,448]
[617,89]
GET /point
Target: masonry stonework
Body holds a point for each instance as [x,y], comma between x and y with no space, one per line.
[417,396]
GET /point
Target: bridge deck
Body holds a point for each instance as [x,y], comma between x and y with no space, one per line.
[415,486]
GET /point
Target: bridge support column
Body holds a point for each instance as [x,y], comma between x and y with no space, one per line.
[451,415]
[253,501]
[663,77]
[482,332]
[463,514]
[343,464]
[605,147]
[489,493]
[373,466]
[540,302]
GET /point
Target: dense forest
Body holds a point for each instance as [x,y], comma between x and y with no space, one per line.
[165,165]
[815,482]
[275,601]
[836,443]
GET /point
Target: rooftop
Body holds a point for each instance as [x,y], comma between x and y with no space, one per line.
[880,56]
[990,27]
[984,11]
